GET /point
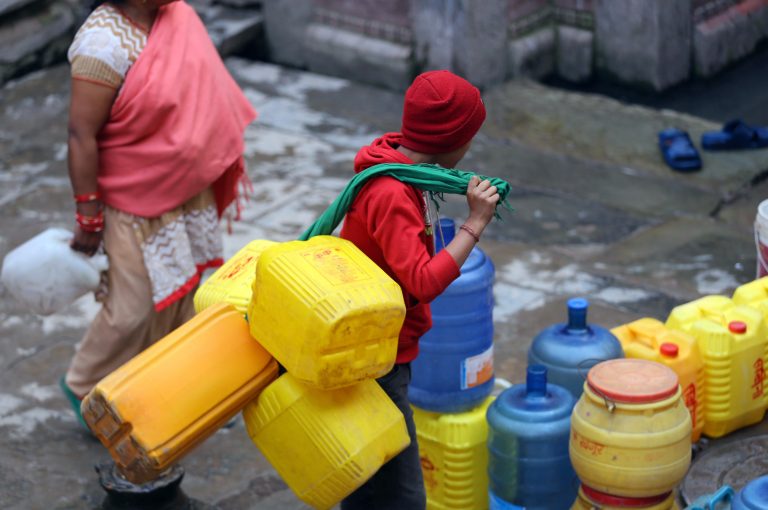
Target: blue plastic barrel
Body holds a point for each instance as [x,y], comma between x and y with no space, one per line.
[528,431]
[570,350]
[754,496]
[454,369]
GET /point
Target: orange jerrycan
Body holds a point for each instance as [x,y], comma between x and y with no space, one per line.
[649,339]
[326,312]
[325,443]
[733,344]
[232,282]
[159,405]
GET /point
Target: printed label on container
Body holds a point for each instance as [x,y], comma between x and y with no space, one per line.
[237,268]
[333,265]
[477,369]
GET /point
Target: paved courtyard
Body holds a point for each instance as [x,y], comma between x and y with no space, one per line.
[598,215]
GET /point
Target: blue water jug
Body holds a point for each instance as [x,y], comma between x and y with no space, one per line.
[570,350]
[454,369]
[528,430]
[754,496]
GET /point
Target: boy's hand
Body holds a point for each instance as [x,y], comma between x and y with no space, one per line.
[481,199]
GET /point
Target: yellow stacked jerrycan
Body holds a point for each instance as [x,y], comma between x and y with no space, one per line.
[159,405]
[649,339]
[326,312]
[754,294]
[454,457]
[590,499]
[232,282]
[325,443]
[630,430]
[733,344]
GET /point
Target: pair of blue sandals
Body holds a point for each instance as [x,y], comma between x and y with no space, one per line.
[681,155]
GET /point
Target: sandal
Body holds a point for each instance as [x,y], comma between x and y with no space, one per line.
[678,150]
[736,135]
[73,400]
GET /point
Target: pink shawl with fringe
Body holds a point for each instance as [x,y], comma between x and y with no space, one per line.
[177,125]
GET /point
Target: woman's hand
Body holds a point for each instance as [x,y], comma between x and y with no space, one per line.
[481,199]
[86,242]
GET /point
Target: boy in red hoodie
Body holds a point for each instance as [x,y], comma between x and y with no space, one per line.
[391,223]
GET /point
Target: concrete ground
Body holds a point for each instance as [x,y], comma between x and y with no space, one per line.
[598,215]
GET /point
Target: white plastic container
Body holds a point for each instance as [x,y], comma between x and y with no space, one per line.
[45,274]
[761,238]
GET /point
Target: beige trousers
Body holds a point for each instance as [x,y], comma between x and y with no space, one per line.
[127,323]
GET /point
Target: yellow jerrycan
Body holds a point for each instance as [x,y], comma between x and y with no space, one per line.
[733,344]
[325,443]
[326,312]
[754,294]
[649,339]
[159,405]
[454,457]
[590,499]
[630,430]
[233,281]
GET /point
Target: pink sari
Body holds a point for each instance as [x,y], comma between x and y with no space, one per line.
[177,126]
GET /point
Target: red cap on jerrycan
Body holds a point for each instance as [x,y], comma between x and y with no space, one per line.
[669,349]
[737,327]
[631,380]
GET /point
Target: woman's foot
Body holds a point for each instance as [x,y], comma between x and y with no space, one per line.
[74,401]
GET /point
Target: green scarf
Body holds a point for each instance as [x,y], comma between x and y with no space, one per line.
[432,178]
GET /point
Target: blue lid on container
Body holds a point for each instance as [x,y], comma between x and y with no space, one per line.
[535,401]
[572,343]
[752,497]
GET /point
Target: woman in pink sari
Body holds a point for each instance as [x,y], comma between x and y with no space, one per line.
[155,157]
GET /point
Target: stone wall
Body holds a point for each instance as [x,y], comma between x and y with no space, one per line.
[649,43]
[37,33]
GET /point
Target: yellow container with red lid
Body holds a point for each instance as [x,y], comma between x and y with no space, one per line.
[590,499]
[734,347]
[630,430]
[649,339]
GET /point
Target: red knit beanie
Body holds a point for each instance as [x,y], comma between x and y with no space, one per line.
[441,113]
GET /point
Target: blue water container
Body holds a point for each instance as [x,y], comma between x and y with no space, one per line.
[528,430]
[570,350]
[454,369]
[754,496]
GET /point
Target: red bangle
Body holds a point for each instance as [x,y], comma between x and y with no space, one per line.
[471,232]
[87,197]
[90,223]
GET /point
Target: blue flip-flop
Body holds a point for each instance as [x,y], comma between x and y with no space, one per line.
[678,150]
[735,135]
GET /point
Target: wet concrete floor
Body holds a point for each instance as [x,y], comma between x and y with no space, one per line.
[598,215]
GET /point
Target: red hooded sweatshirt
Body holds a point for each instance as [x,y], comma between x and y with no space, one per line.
[387,222]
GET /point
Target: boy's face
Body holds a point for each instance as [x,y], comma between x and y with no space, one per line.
[451,159]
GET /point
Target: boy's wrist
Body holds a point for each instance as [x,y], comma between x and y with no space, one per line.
[475,225]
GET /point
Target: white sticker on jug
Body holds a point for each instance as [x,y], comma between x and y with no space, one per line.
[477,370]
